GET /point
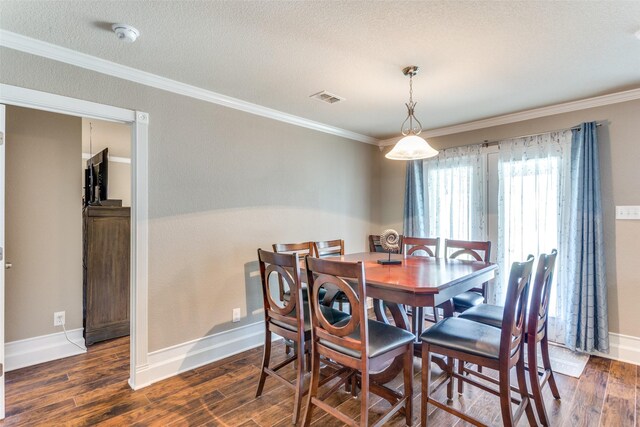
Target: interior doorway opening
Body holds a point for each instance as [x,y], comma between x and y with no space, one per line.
[138,123]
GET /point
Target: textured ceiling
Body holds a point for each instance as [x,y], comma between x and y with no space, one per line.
[477,59]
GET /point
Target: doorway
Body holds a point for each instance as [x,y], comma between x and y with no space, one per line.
[138,122]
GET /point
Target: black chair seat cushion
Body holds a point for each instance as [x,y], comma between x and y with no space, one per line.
[466,300]
[305,294]
[466,336]
[485,313]
[382,338]
[332,315]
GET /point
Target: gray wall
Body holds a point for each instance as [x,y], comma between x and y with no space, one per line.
[43,222]
[619,143]
[221,184]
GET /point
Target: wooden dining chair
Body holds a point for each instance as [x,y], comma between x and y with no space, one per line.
[328,248]
[289,319]
[421,246]
[426,247]
[302,249]
[475,250]
[500,349]
[536,331]
[331,248]
[375,246]
[358,343]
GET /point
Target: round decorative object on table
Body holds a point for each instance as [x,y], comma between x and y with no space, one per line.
[390,241]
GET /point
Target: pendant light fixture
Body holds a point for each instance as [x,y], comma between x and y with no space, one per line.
[412,146]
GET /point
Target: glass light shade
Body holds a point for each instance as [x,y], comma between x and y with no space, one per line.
[411,147]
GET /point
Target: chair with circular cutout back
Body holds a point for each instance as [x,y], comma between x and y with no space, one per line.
[358,343]
[536,331]
[289,319]
[478,251]
[500,349]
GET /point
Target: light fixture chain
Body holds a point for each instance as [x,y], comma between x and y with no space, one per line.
[411,88]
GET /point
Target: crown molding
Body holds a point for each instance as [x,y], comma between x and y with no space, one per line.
[551,110]
[36,47]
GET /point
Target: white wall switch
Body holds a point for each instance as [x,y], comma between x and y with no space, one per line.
[236,315]
[627,212]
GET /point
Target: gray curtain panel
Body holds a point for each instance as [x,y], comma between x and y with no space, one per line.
[588,327]
[414,209]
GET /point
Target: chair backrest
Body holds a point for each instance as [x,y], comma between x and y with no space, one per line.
[540,294]
[422,246]
[330,275]
[375,246]
[328,248]
[515,307]
[287,268]
[480,251]
[302,249]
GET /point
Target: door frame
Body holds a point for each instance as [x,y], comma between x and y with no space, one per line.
[139,122]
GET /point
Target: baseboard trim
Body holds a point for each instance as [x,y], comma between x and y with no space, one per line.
[174,360]
[45,348]
[624,348]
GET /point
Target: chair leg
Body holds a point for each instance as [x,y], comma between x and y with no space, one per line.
[354,385]
[534,379]
[505,398]
[307,357]
[450,369]
[364,398]
[426,371]
[546,363]
[408,385]
[313,387]
[524,393]
[299,384]
[266,356]
[461,373]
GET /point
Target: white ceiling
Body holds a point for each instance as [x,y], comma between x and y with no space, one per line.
[477,59]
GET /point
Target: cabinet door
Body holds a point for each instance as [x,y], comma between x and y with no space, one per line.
[107,279]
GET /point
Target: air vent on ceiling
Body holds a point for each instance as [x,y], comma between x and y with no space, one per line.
[327,97]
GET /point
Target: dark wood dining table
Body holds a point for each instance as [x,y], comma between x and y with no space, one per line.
[417,282]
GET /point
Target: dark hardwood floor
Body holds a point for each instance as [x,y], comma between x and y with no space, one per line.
[91,389]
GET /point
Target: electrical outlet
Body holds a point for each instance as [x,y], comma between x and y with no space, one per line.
[58,318]
[235,316]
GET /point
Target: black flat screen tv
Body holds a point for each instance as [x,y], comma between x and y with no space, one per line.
[96,178]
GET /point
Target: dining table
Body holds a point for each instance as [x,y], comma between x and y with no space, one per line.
[416,282]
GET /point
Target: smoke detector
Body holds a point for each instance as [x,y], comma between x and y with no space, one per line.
[125,32]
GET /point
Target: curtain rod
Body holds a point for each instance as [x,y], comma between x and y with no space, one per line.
[487,143]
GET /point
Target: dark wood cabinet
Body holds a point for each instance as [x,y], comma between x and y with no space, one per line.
[106,258]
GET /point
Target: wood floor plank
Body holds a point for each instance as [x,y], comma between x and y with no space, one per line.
[620,399]
[54,393]
[590,392]
[559,410]
[42,414]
